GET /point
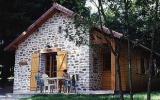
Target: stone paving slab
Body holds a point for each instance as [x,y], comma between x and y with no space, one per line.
[98,92]
[4,97]
[7,98]
[11,96]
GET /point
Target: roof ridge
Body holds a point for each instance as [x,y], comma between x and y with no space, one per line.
[63,9]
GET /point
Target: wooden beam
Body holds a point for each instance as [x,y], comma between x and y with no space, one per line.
[113,67]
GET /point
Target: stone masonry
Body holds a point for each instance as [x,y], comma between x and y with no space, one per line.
[50,33]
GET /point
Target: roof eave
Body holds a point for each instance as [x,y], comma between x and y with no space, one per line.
[107,31]
[56,7]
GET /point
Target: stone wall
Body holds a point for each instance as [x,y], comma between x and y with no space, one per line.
[95,68]
[51,33]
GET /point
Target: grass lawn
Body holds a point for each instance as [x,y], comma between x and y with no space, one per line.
[137,96]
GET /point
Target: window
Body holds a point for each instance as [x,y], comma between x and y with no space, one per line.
[51,64]
[55,63]
[106,58]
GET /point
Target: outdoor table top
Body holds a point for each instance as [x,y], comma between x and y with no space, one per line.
[54,78]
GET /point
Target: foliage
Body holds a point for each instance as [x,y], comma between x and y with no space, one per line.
[75,6]
[15,17]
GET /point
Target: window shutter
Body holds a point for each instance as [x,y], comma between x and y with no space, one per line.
[34,70]
[61,62]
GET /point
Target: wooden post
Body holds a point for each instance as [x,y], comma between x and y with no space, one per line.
[50,65]
[129,70]
[113,69]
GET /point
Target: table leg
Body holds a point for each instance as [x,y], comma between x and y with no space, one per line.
[58,86]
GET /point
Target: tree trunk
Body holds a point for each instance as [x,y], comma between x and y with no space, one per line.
[152,50]
[115,52]
[149,77]
[118,71]
[126,3]
[129,71]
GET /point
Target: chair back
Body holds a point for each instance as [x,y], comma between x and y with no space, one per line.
[44,77]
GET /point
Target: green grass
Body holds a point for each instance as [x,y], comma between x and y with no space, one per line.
[72,97]
[137,96]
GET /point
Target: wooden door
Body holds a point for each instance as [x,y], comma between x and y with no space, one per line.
[61,62]
[106,80]
[34,70]
[105,58]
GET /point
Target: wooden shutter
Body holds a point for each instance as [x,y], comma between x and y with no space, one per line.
[34,71]
[61,62]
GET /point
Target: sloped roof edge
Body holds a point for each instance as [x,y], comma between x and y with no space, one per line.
[56,7]
[37,24]
[108,31]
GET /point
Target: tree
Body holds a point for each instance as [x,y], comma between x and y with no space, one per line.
[135,18]
[102,21]
[154,31]
[127,6]
[136,21]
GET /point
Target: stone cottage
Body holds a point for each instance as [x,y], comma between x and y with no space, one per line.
[45,47]
[32,52]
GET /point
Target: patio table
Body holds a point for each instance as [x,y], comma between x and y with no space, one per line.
[55,80]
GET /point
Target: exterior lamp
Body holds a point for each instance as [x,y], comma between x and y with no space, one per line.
[48,46]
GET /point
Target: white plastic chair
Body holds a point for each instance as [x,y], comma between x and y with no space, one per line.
[52,86]
[48,86]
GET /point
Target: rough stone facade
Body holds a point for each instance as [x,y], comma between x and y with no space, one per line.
[95,68]
[50,33]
